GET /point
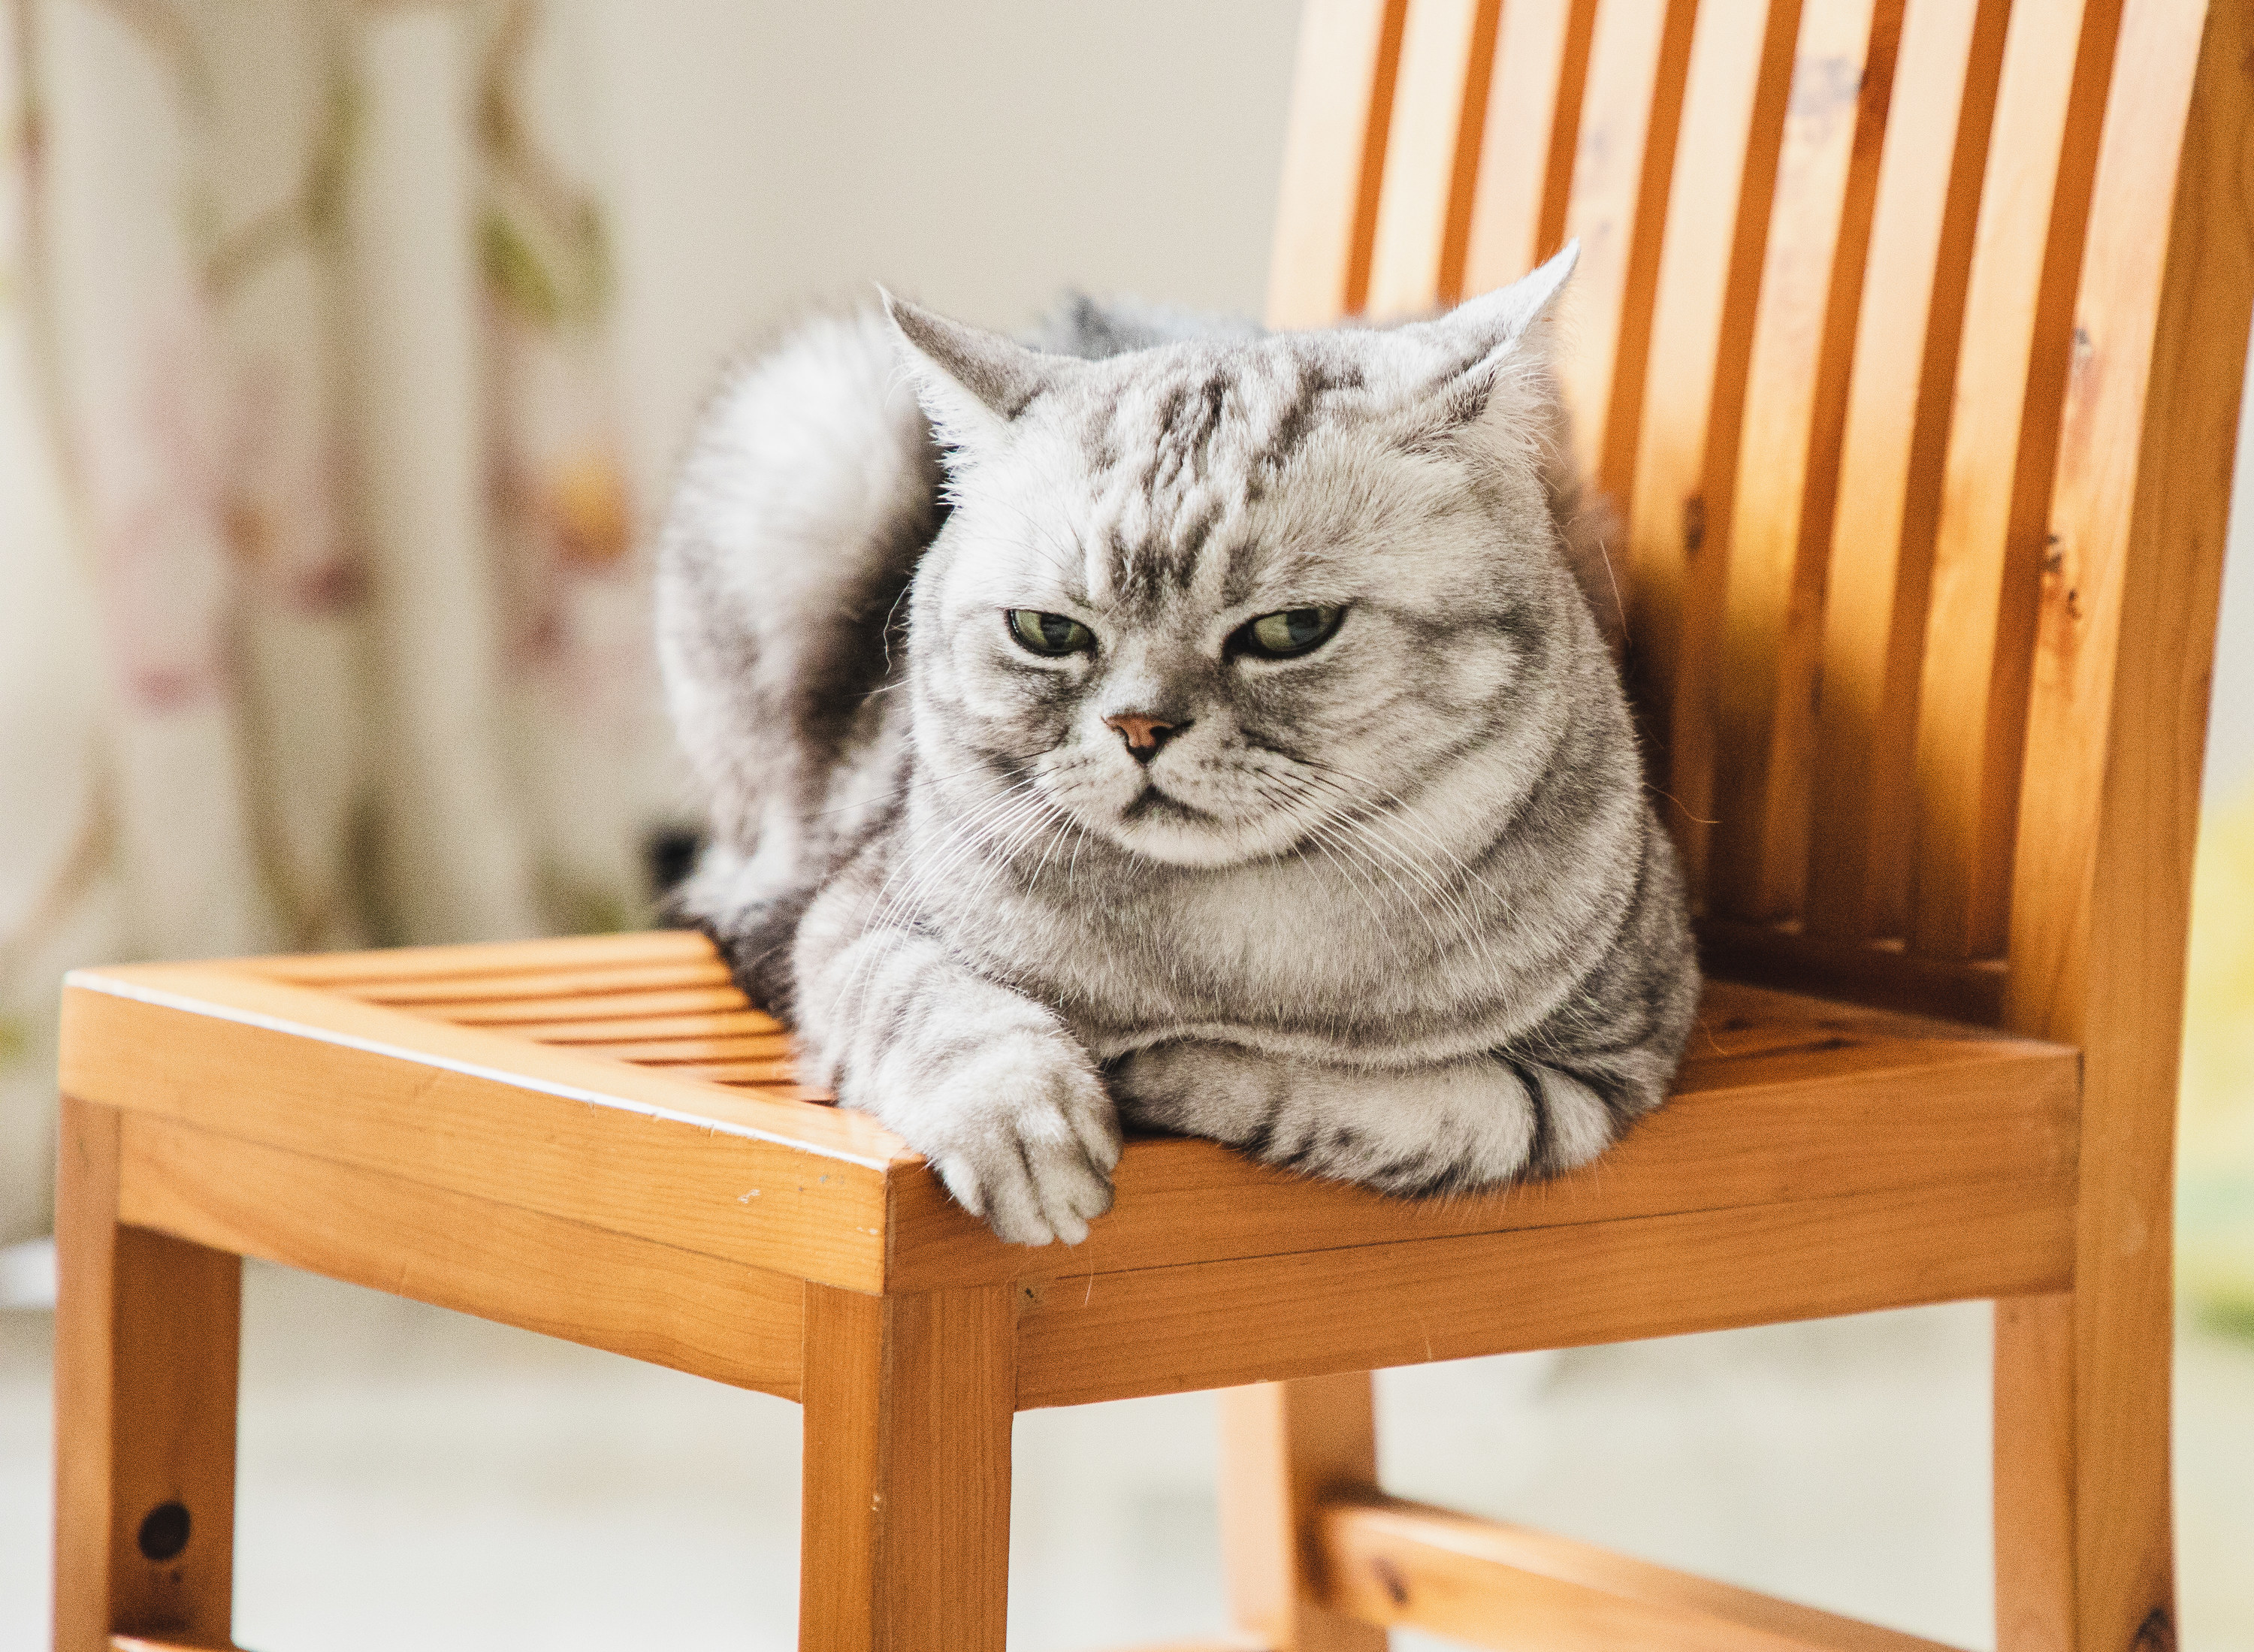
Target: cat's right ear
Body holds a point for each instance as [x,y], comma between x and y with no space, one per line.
[973,384]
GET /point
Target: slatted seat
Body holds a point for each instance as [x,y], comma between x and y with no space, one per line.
[552,1135]
[1907,337]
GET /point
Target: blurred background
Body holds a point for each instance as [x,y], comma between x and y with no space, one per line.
[344,351]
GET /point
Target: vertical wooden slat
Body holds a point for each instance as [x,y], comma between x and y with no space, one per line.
[1996,478]
[1639,54]
[1423,205]
[1897,424]
[1333,159]
[2114,745]
[147,1330]
[1788,455]
[1740,68]
[904,1537]
[1286,1445]
[1525,171]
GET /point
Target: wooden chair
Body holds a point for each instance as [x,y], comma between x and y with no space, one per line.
[1909,335]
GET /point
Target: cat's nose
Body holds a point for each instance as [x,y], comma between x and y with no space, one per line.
[1144,735]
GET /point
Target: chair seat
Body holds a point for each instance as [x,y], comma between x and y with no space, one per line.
[601,1139]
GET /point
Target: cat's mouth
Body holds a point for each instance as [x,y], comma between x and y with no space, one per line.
[1151,804]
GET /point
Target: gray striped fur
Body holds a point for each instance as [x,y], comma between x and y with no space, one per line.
[1394,911]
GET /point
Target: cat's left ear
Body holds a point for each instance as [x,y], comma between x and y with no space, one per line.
[973,384]
[1472,348]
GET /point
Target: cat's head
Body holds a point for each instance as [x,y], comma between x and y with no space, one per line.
[1207,600]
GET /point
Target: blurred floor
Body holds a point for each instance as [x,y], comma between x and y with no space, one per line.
[410,1477]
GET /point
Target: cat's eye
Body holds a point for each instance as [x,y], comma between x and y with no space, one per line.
[1050,633]
[1280,635]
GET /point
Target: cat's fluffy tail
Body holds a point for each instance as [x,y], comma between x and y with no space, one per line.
[810,490]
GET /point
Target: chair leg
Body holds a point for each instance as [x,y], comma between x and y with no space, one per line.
[905,1539]
[2084,1542]
[1283,1445]
[147,1337]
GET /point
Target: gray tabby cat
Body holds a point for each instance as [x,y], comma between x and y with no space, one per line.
[1186,726]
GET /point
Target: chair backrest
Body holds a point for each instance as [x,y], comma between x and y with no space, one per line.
[1906,340]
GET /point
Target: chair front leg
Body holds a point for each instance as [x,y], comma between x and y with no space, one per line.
[147,1340]
[905,1533]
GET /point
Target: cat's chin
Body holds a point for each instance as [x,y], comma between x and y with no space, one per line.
[1204,842]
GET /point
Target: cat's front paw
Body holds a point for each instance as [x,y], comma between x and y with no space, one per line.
[1023,1134]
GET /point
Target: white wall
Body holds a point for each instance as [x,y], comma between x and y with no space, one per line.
[980,158]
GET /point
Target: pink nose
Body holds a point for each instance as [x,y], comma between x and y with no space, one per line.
[1144,735]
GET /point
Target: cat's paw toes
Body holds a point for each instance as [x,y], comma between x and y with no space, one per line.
[1034,1144]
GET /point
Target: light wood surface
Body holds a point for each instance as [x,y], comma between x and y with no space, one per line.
[1783,1098]
[2033,1451]
[1896,420]
[1286,1447]
[1083,1338]
[1520,188]
[1488,1584]
[1333,159]
[905,1528]
[1679,490]
[146,1335]
[651,948]
[1637,57]
[1802,342]
[1424,199]
[570,1279]
[1996,475]
[634,1151]
[2124,643]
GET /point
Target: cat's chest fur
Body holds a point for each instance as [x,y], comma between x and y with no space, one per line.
[1303,954]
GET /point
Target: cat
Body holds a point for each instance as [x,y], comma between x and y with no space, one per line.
[1179,725]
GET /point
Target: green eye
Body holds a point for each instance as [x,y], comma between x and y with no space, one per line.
[1049,633]
[1278,636]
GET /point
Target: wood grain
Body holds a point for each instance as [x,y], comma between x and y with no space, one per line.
[1801,344]
[1782,1099]
[2101,885]
[147,1330]
[1890,450]
[1286,1447]
[1996,473]
[1106,1336]
[1527,139]
[906,1529]
[1424,203]
[1639,54]
[567,1010]
[624,1148]
[1489,1584]
[2033,1476]
[1680,487]
[720,1320]
[1333,159]
[582,1028]
[1967,990]
[444,990]
[356,969]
